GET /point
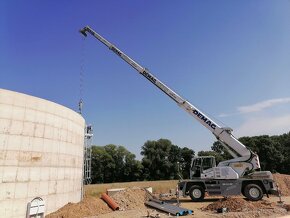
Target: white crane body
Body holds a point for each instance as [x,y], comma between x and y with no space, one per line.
[244,160]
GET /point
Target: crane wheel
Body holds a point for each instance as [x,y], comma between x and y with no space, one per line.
[196,193]
[253,192]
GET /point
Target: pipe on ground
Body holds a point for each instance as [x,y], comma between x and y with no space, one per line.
[110,201]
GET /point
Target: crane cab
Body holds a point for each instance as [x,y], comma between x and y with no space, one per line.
[199,164]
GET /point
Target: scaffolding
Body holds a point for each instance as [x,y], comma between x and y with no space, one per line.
[88,155]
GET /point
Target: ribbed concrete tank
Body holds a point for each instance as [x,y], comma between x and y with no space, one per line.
[41,153]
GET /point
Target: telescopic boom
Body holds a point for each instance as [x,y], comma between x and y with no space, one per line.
[239,151]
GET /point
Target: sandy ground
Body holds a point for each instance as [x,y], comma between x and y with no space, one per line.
[198,212]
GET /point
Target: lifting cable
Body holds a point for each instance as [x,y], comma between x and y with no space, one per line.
[81,76]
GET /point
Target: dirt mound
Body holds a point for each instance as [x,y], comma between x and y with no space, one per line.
[239,204]
[130,198]
[284,183]
[287,207]
[232,204]
[89,206]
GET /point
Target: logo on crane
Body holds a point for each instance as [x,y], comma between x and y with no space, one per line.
[204,119]
[149,76]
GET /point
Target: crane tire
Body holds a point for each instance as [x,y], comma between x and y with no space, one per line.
[196,193]
[253,192]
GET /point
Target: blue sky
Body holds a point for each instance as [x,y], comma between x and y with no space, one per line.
[229,58]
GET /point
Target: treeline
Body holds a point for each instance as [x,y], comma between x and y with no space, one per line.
[162,160]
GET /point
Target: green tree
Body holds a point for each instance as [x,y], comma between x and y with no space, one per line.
[102,165]
[185,163]
[284,148]
[285,142]
[132,168]
[113,163]
[155,161]
[221,152]
[174,157]
[162,159]
[268,150]
[218,156]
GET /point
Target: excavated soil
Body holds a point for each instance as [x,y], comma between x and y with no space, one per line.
[89,206]
[238,207]
[283,182]
[239,204]
[287,207]
[130,198]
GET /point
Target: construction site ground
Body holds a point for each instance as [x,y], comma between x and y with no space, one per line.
[198,208]
[131,202]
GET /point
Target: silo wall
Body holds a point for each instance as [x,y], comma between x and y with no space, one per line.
[41,153]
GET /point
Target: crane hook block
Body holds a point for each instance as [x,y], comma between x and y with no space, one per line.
[83,31]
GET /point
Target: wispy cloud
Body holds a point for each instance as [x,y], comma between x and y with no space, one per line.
[262,105]
[228,115]
[259,106]
[264,126]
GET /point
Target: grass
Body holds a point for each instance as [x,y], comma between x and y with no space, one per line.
[162,186]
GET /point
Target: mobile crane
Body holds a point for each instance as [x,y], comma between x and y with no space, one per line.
[239,175]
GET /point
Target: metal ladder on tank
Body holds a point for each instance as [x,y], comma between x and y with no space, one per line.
[88,155]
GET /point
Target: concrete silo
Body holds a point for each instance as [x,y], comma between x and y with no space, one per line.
[41,153]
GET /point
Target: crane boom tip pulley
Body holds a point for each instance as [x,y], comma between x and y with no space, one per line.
[83,31]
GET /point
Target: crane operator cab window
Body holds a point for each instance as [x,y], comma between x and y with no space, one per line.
[199,164]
